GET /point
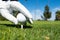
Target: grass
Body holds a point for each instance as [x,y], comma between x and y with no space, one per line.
[40,30]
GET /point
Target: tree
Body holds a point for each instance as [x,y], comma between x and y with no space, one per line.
[47,13]
[57,15]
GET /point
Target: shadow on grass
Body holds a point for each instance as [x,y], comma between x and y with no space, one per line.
[17,26]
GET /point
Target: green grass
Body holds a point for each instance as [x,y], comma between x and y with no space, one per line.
[41,30]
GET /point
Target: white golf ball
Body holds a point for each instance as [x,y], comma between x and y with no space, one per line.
[21,17]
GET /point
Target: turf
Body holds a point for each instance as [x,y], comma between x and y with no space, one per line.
[39,30]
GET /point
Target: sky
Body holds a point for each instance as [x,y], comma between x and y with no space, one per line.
[36,7]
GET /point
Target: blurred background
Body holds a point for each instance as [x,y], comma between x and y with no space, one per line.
[41,9]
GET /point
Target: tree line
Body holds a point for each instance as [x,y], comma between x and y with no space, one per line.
[46,14]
